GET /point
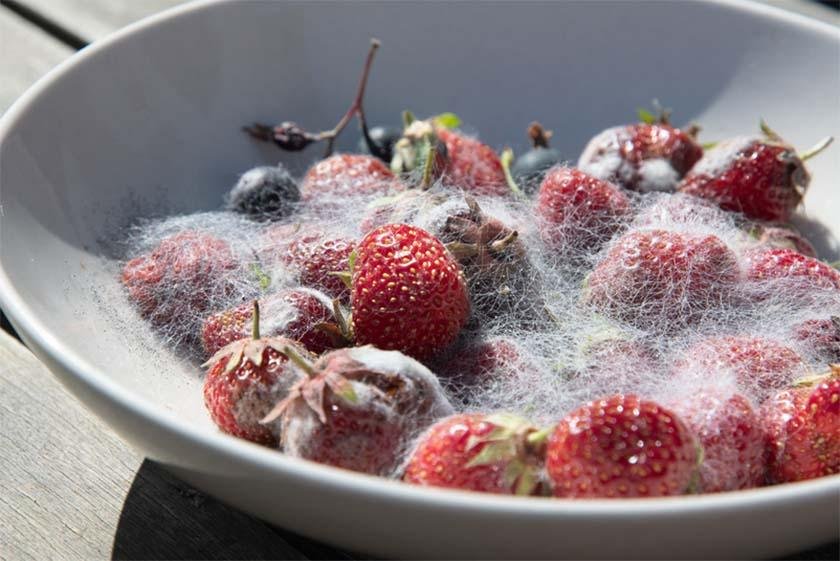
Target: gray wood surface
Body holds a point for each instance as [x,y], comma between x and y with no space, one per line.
[94,19]
[26,54]
[63,473]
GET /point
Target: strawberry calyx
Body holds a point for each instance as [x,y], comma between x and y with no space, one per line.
[538,135]
[692,130]
[695,483]
[322,377]
[790,155]
[476,236]
[815,380]
[659,115]
[517,444]
[341,331]
[506,159]
[249,348]
[311,388]
[420,149]
[816,149]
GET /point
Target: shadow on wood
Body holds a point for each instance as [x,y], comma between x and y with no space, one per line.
[164,518]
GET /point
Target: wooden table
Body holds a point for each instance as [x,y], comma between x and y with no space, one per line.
[69,488]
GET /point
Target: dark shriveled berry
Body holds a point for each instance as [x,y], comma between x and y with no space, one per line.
[264,193]
[383,139]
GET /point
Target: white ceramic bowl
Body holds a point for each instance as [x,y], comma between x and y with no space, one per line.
[148,122]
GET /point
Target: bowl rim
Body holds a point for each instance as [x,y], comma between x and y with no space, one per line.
[96,381]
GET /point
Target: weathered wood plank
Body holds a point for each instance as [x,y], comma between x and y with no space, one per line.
[94,19]
[71,489]
[26,54]
[63,473]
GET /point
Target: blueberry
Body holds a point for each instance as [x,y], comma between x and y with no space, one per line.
[529,168]
[384,138]
[264,193]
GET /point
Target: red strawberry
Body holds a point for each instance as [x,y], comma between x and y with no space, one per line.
[482,361]
[621,364]
[578,212]
[759,364]
[788,265]
[408,292]
[803,428]
[820,336]
[311,252]
[345,175]
[661,279]
[621,446]
[180,280]
[763,178]
[317,258]
[400,209]
[781,236]
[732,437]
[295,314]
[641,157]
[476,452]
[473,166]
[676,209]
[245,379]
[359,409]
[499,275]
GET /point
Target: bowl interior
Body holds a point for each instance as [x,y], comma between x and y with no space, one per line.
[142,126]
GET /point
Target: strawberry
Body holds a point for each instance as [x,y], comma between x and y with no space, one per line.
[403,208]
[642,157]
[408,293]
[295,314]
[803,429]
[621,446]
[789,266]
[763,178]
[821,337]
[661,279]
[493,258]
[481,361]
[732,437]
[578,212]
[244,381]
[500,277]
[346,175]
[317,258]
[620,363]
[499,274]
[311,253]
[497,453]
[358,409]
[668,210]
[783,236]
[182,278]
[473,166]
[760,365]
